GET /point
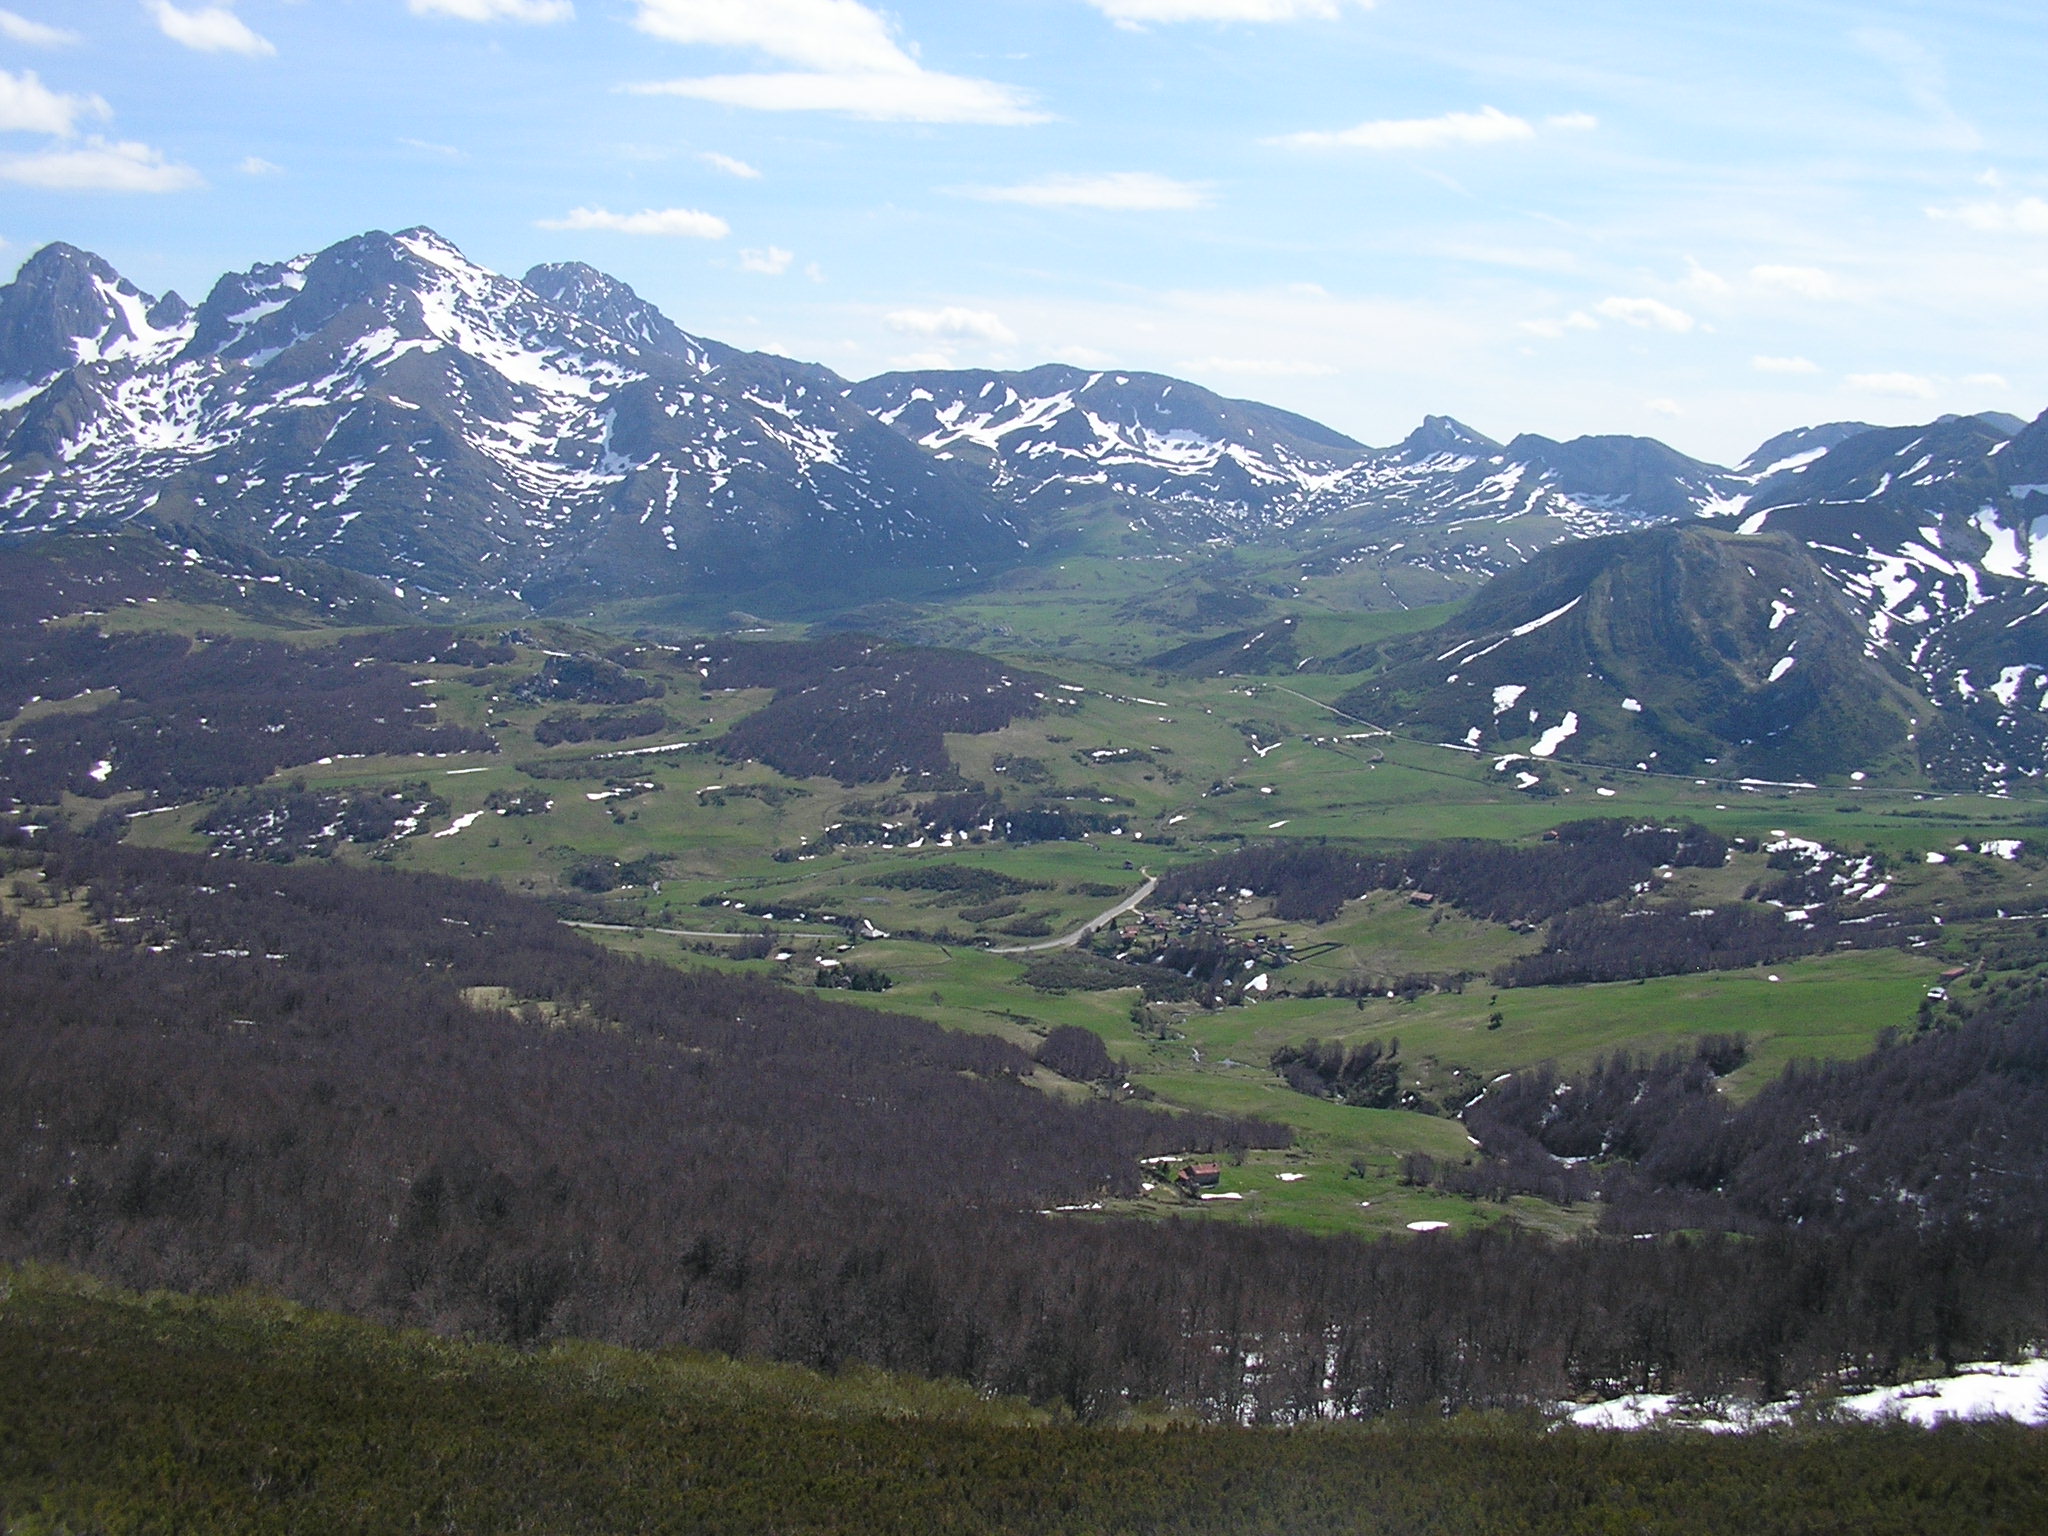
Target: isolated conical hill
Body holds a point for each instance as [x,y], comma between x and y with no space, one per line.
[1683,649]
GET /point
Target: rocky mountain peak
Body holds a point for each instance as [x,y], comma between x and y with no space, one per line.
[67,306]
[1445,437]
[613,307]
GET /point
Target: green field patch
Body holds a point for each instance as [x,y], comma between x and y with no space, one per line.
[1822,1007]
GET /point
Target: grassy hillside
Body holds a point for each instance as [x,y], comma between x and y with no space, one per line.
[237,1415]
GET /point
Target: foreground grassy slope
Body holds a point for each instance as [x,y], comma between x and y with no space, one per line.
[243,1415]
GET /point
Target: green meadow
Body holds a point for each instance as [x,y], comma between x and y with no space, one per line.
[1182,768]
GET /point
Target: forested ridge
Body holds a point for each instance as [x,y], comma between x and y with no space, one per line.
[1585,862]
[1591,884]
[242,1416]
[175,717]
[1942,1131]
[864,711]
[294,1077]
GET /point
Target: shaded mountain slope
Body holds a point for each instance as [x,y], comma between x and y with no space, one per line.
[1683,649]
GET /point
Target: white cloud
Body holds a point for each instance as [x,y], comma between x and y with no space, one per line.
[256,165]
[440,151]
[29,106]
[1764,364]
[1489,125]
[1417,351]
[840,37]
[1645,314]
[1701,280]
[845,57]
[921,96]
[1907,385]
[1577,320]
[1082,357]
[1257,367]
[1135,13]
[772,261]
[19,29]
[2027,216]
[729,165]
[215,29]
[533,12]
[951,322]
[1663,406]
[1573,122]
[1120,191]
[1802,282]
[685,222]
[100,167]
[1996,381]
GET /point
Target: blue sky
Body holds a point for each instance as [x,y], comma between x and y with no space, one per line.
[1704,223]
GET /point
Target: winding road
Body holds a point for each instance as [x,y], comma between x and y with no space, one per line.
[1069,940]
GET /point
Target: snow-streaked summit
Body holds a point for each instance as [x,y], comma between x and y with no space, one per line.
[1057,437]
[393,407]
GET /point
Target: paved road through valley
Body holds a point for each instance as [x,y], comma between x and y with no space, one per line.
[1069,940]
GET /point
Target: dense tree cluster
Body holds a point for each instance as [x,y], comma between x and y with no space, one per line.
[1076,1053]
[588,680]
[192,716]
[959,880]
[1585,862]
[863,711]
[1201,965]
[1946,1131]
[606,725]
[1368,1075]
[598,874]
[1602,944]
[980,812]
[854,978]
[425,1101]
[1076,970]
[84,575]
[285,822]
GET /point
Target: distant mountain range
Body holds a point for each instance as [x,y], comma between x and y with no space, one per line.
[392,410]
[1877,606]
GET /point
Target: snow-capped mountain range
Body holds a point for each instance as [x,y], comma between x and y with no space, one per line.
[1059,437]
[394,408]
[1878,605]
[391,408]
